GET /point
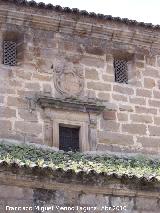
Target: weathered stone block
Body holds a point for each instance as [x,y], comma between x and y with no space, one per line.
[118,97]
[5,126]
[27,115]
[143,93]
[6,112]
[128,202]
[94,200]
[95,50]
[14,83]
[110,125]
[91,74]
[102,147]
[123,89]
[91,94]
[109,115]
[7,90]
[93,62]
[140,57]
[30,138]
[23,94]
[28,127]
[14,192]
[149,83]
[17,102]
[99,86]
[111,106]
[137,100]
[140,64]
[145,110]
[148,204]
[47,89]
[141,118]
[139,129]
[109,58]
[156,94]
[110,69]
[154,103]
[109,78]
[115,138]
[37,76]
[154,130]
[122,116]
[151,60]
[151,72]
[149,142]
[23,74]
[32,86]
[127,108]
[157,121]
[104,96]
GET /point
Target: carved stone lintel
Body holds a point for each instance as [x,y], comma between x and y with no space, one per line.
[70,104]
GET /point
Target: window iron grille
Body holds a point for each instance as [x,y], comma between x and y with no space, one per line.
[69,139]
[9,53]
[121,71]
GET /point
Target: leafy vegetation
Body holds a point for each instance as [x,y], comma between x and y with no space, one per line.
[31,156]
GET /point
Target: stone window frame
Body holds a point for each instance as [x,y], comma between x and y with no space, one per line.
[130,59]
[83,132]
[18,39]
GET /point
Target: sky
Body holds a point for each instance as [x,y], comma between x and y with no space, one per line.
[141,10]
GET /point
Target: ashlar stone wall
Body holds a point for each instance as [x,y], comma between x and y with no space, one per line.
[50,41]
[30,192]
[20,199]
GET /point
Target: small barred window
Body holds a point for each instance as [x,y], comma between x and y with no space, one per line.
[121,70]
[9,53]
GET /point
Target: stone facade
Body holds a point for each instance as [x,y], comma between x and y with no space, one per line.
[65,75]
[68,56]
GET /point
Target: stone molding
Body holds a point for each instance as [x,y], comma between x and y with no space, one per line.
[70,104]
[83,13]
[57,22]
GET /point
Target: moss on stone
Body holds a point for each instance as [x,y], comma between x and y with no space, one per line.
[25,155]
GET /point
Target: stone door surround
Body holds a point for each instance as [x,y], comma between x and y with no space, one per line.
[71,113]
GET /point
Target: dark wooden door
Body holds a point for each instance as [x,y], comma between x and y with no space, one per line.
[68,139]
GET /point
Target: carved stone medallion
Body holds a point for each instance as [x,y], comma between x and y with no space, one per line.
[68,79]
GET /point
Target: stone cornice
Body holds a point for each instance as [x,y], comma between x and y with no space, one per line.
[70,104]
[75,11]
[58,22]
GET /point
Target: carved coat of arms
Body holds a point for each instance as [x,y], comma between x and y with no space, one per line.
[68,79]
